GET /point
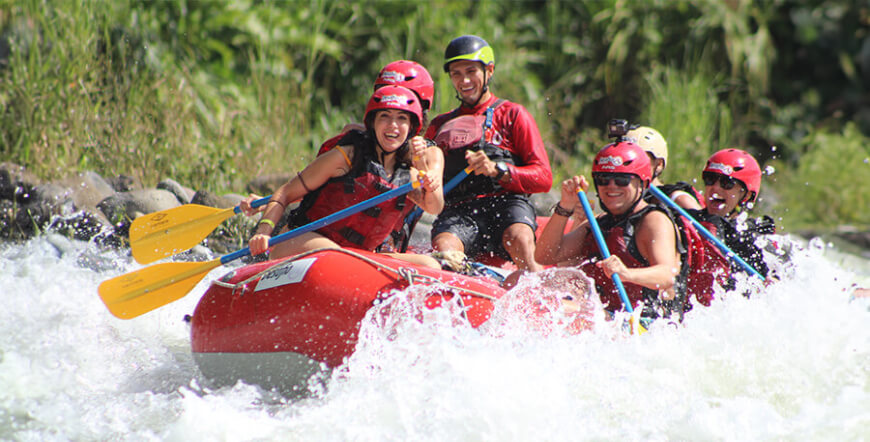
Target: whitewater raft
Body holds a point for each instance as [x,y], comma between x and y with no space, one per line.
[277,323]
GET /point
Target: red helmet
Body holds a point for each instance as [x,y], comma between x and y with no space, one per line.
[395,97]
[411,75]
[624,157]
[740,165]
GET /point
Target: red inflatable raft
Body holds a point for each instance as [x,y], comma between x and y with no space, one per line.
[277,323]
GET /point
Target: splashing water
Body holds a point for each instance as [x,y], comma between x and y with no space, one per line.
[792,362]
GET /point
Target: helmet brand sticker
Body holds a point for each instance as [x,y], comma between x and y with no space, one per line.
[616,161]
[724,168]
[393,76]
[394,100]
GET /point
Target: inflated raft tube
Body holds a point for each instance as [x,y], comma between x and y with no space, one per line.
[278,323]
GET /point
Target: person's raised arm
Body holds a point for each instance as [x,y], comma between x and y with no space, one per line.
[555,246]
[428,158]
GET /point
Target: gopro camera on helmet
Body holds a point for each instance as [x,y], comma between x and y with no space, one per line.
[617,128]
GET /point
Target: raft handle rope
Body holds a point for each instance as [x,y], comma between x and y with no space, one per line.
[407,273]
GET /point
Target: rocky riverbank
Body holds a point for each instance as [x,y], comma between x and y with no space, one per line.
[90,207]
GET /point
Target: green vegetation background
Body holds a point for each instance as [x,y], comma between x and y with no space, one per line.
[215,93]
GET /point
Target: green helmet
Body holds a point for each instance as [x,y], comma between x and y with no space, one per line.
[468,47]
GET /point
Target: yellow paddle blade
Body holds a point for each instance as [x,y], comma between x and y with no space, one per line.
[636,327]
[168,232]
[135,293]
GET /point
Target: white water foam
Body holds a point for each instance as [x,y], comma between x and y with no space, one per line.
[792,362]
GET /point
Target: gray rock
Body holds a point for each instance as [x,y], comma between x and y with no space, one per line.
[206,198]
[88,189]
[184,194]
[234,198]
[16,183]
[544,202]
[128,205]
[124,183]
[266,184]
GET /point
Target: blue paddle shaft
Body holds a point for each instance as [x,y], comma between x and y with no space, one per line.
[256,203]
[664,198]
[418,212]
[602,246]
[314,225]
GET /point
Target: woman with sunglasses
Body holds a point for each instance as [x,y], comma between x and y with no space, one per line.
[732,180]
[641,237]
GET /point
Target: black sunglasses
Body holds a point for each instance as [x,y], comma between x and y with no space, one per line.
[725,181]
[603,179]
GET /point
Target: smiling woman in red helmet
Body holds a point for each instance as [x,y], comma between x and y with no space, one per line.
[368,162]
[642,238]
[732,181]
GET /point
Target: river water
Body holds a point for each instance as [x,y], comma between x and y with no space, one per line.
[791,363]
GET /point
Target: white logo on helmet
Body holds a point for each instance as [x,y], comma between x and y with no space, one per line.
[394,100]
[392,77]
[612,160]
[724,168]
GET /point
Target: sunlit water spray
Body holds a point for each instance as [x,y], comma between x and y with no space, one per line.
[790,363]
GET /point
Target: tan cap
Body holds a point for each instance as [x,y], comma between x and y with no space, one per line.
[649,140]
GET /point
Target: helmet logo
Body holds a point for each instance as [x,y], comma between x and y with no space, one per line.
[392,77]
[724,168]
[394,100]
[613,160]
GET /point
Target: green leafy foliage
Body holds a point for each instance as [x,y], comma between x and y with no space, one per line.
[213,93]
[831,185]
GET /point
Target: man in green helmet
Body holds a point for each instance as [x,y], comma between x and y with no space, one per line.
[489,212]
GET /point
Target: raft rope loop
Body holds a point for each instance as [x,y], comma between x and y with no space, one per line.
[406,273]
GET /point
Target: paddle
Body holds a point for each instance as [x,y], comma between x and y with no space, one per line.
[664,198]
[602,246]
[168,232]
[418,212]
[135,293]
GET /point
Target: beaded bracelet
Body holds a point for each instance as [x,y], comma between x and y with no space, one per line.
[559,210]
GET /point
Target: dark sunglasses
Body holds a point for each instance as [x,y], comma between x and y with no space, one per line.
[603,179]
[725,181]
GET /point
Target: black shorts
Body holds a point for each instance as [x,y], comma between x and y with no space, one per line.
[480,223]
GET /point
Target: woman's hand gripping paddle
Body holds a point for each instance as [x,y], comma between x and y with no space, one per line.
[734,257]
[605,253]
[135,293]
[168,232]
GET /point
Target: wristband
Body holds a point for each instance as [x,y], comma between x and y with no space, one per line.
[268,222]
[559,210]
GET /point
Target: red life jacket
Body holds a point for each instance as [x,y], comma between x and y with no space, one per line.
[704,264]
[619,234]
[366,179]
[474,134]
[701,264]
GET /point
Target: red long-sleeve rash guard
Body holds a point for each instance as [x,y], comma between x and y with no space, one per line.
[519,134]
